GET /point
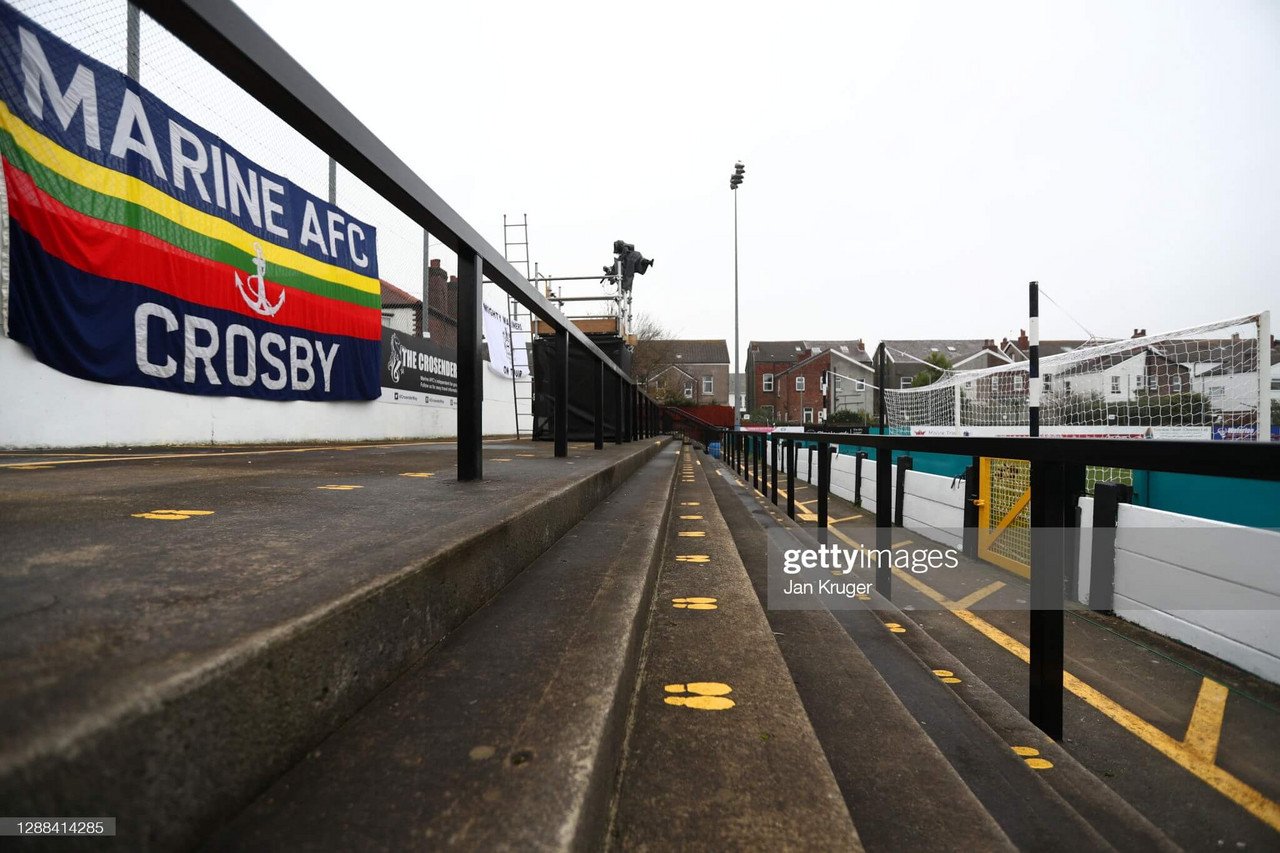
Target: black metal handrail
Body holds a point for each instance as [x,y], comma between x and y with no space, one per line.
[1057,480]
[230,41]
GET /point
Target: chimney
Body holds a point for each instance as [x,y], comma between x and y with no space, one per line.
[435,263]
[1023,340]
[989,343]
[1139,333]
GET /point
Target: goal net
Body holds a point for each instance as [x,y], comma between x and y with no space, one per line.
[1206,382]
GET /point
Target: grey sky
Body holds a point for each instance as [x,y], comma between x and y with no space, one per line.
[910,166]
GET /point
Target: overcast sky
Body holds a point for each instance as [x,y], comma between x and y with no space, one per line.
[910,166]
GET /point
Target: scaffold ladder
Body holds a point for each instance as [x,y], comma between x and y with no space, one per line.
[515,248]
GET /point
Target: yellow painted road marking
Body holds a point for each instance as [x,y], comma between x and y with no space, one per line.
[500,459]
[693,558]
[336,488]
[527,455]
[172,514]
[706,695]
[974,597]
[691,518]
[1206,720]
[692,534]
[695,603]
[418,474]
[690,503]
[1180,752]
[842,520]
[29,467]
[806,516]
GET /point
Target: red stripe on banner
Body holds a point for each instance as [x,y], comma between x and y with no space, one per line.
[127,254]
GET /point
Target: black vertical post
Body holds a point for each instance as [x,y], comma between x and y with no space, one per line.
[905,464]
[470,367]
[824,483]
[1048,559]
[791,478]
[808,474]
[773,466]
[635,414]
[1033,364]
[619,409]
[753,472]
[857,477]
[599,407]
[562,393]
[1107,498]
[884,518]
[881,371]
[971,487]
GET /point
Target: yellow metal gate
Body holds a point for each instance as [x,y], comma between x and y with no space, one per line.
[1004,514]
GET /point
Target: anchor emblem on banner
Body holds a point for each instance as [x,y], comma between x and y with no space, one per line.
[254,292]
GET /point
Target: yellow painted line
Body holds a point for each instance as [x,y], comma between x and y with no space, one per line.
[172,514]
[691,518]
[1206,720]
[974,597]
[339,488]
[692,534]
[217,454]
[418,474]
[842,520]
[702,695]
[1182,753]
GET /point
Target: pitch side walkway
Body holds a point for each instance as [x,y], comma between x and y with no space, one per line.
[1188,740]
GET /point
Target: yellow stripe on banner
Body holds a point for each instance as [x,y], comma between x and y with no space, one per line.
[127,188]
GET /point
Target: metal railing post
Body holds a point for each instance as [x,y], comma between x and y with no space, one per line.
[884,518]
[1107,498]
[562,393]
[599,406]
[617,410]
[857,476]
[755,461]
[470,367]
[773,467]
[824,484]
[905,464]
[791,478]
[1049,500]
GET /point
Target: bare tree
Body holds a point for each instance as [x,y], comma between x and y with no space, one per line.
[654,349]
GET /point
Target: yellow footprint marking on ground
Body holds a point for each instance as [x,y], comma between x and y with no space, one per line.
[895,627]
[699,603]
[706,695]
[418,474]
[334,488]
[690,503]
[691,518]
[693,558]
[172,514]
[692,534]
[947,676]
[1028,754]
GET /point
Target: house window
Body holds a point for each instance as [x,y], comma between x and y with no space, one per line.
[1175,384]
[905,382]
[688,390]
[1217,391]
[1048,380]
[799,383]
[708,386]
[387,317]
[1019,382]
[995,383]
[859,386]
[766,382]
[1066,386]
[1115,384]
[808,415]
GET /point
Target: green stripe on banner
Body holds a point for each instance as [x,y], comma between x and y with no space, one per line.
[119,212]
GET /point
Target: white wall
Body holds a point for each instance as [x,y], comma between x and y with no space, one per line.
[1158,575]
[42,408]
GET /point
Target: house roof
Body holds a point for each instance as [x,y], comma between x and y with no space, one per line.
[394,297]
[955,349]
[706,351]
[804,349]
[1047,348]
[668,369]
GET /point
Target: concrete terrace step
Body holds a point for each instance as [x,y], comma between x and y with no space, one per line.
[720,754]
[165,672]
[508,735]
[1066,808]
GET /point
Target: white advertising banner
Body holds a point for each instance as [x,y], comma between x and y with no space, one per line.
[505,341]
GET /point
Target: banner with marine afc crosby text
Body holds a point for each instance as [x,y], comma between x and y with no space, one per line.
[146,251]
